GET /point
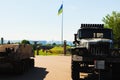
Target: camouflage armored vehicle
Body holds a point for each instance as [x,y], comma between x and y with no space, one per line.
[94,55]
[16,57]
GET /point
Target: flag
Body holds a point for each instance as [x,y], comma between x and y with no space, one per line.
[60,9]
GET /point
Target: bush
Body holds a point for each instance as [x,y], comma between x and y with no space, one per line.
[57,50]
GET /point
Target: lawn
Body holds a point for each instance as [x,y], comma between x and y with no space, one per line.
[58,50]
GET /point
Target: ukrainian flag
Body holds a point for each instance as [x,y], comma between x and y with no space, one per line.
[60,9]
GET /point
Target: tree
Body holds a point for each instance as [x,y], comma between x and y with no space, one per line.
[113,22]
[25,42]
[8,42]
[54,44]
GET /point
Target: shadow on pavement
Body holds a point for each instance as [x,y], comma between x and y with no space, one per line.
[33,74]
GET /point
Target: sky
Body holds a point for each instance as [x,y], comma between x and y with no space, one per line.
[38,19]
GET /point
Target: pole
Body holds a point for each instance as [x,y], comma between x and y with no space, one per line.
[62,28]
[64,47]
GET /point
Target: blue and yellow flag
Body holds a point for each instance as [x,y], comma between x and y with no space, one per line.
[60,9]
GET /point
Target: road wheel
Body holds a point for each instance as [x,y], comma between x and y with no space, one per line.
[75,70]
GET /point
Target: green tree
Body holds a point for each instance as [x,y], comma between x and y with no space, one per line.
[54,44]
[25,42]
[113,22]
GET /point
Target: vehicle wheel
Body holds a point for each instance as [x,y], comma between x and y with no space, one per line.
[108,73]
[115,71]
[75,70]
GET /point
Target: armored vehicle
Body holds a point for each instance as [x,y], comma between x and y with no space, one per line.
[16,57]
[93,55]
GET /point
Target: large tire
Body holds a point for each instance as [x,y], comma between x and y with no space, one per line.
[116,71]
[75,70]
[108,74]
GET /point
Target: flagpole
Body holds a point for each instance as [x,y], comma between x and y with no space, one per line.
[62,28]
[60,11]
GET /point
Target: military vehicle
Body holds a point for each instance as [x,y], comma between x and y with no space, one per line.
[18,58]
[93,55]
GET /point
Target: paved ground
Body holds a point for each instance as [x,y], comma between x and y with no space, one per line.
[46,68]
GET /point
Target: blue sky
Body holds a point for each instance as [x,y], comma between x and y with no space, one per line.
[38,19]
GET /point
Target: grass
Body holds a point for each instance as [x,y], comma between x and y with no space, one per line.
[58,50]
[45,53]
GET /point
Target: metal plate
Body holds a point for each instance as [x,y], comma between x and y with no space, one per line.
[77,58]
[99,64]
